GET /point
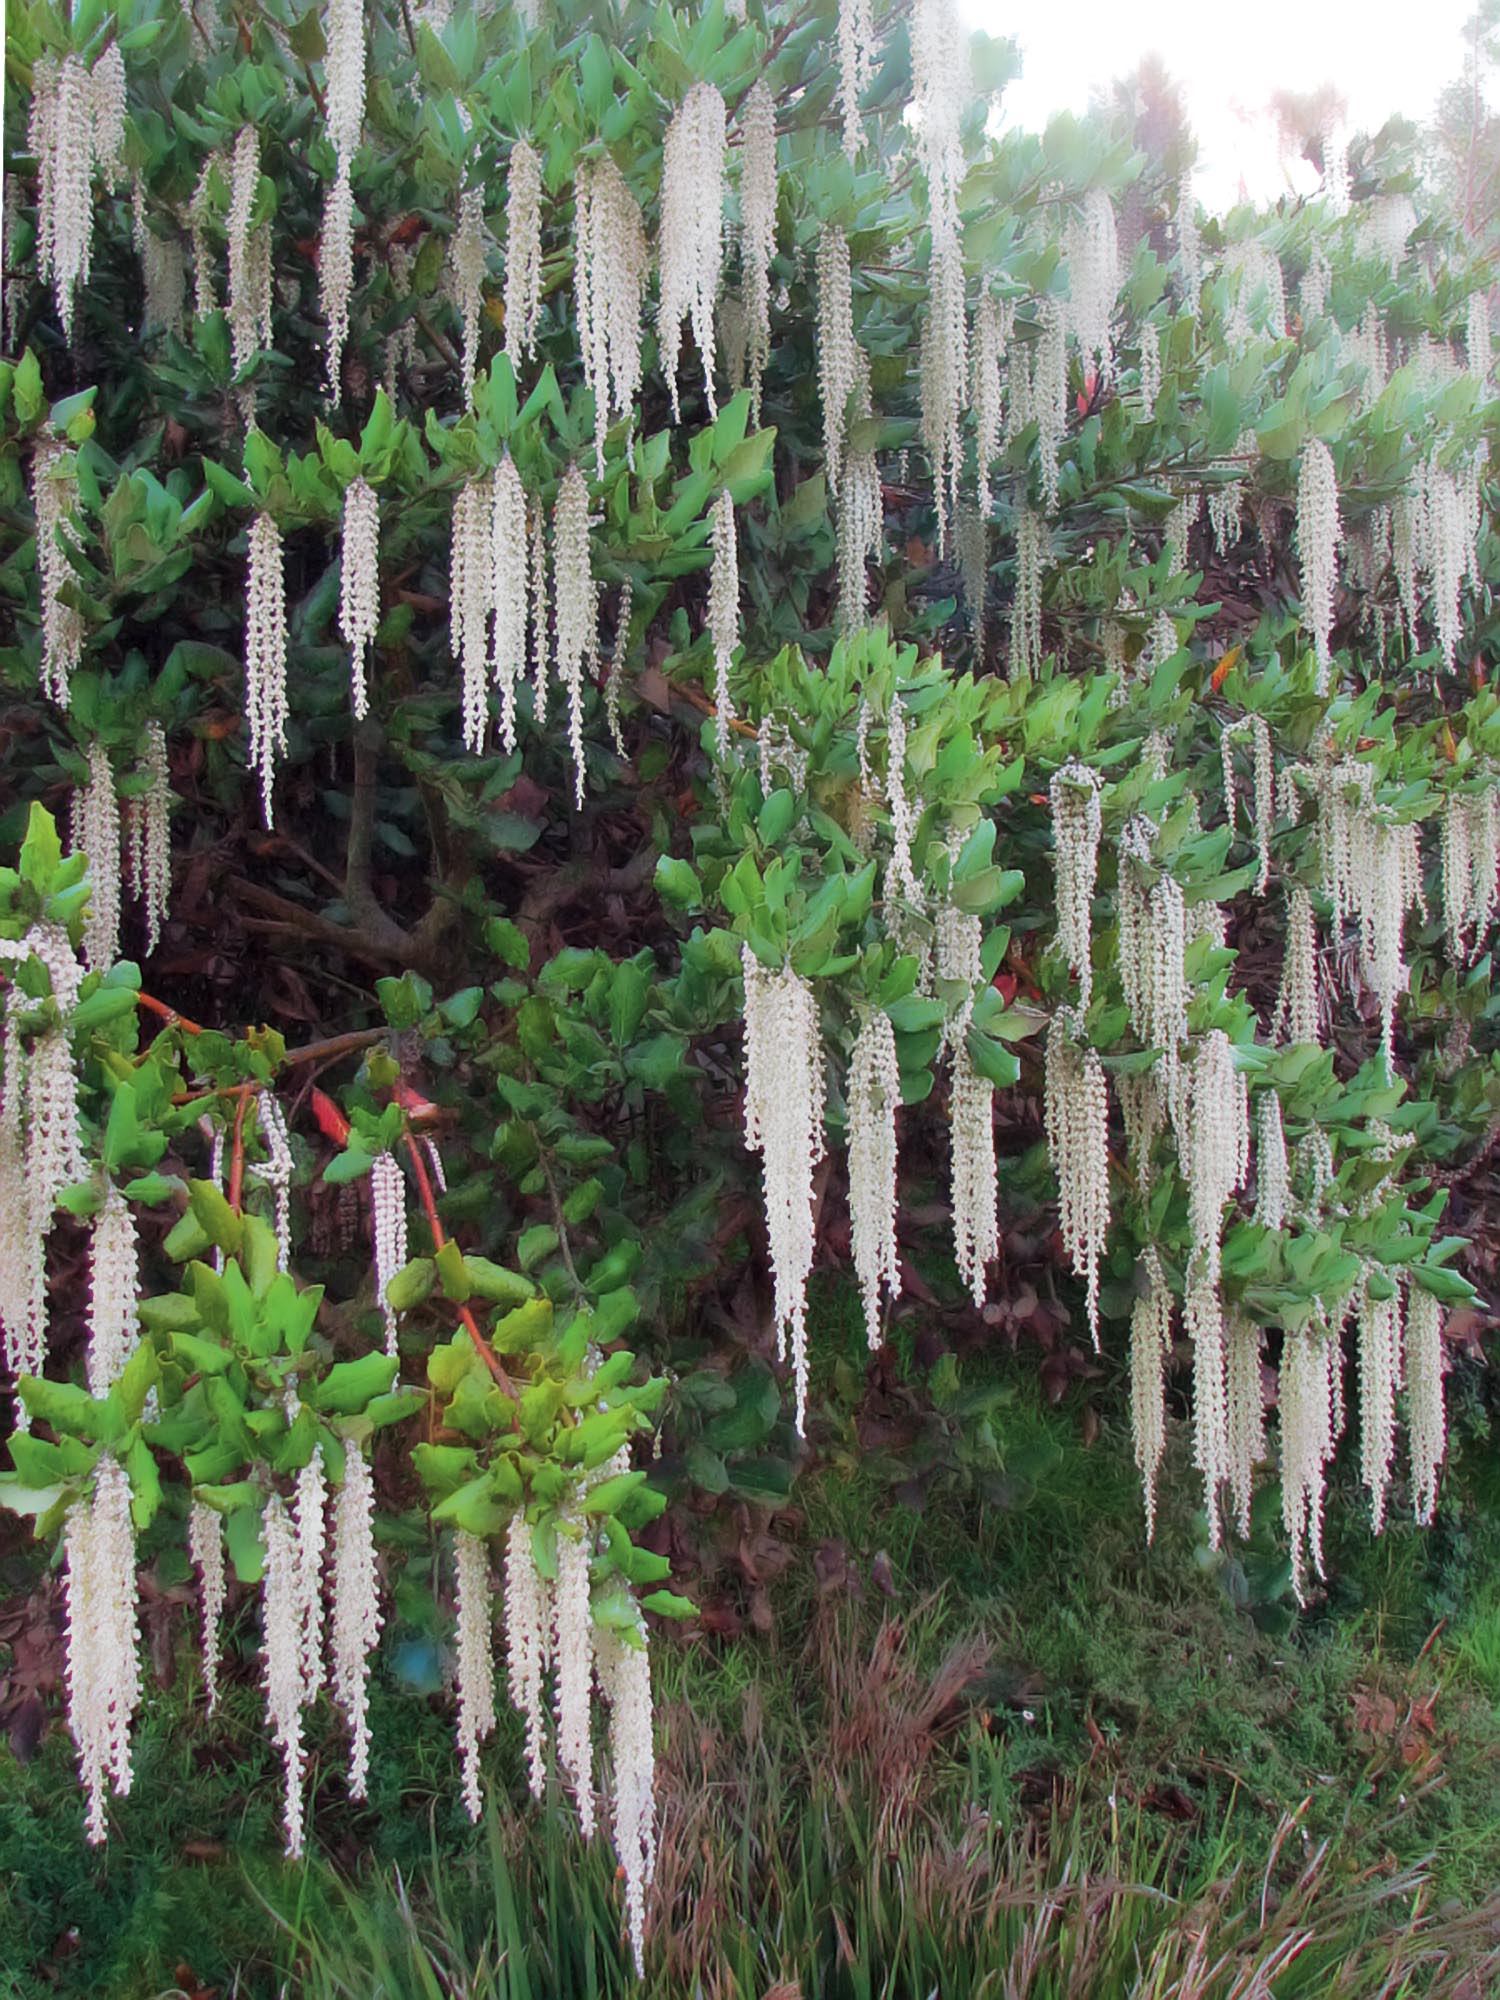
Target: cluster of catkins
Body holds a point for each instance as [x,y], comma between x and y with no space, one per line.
[786,1093]
[1194,1092]
[550,1630]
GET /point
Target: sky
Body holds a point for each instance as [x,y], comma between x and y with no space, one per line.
[1383,57]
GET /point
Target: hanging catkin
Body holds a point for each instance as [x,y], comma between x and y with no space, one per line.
[575,605]
[856,67]
[54,493]
[336,270]
[471,593]
[611,263]
[523,251]
[1076,823]
[723,615]
[359,585]
[839,372]
[1319,534]
[1077,1124]
[758,228]
[265,655]
[509,564]
[1150,1347]
[874,1092]
[784,1096]
[691,250]
[467,261]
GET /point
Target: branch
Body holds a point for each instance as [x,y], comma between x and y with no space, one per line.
[471,1326]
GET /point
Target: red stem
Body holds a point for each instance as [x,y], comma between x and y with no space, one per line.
[471,1325]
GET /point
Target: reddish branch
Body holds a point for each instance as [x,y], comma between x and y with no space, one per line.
[237,1155]
[471,1325]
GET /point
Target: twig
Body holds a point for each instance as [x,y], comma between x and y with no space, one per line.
[471,1326]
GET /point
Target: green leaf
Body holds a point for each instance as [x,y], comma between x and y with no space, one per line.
[666,1604]
[350,1385]
[410,1285]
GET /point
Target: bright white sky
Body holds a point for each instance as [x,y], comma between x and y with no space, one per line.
[1385,57]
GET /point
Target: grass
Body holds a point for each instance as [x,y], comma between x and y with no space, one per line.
[990,1744]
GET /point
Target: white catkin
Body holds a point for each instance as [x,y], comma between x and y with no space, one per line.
[611,264]
[1150,368]
[467,265]
[103,1659]
[1312,293]
[1426,1423]
[282,1613]
[1308,1397]
[149,826]
[1297,1017]
[784,1098]
[1077,818]
[1272,1175]
[624,1663]
[991,336]
[1378,1348]
[839,370]
[573,1651]
[249,312]
[758,188]
[114,1283]
[539,622]
[1077,1125]
[97,836]
[54,492]
[336,270]
[206,1550]
[277,1170]
[42,1141]
[860,513]
[857,48]
[941,90]
[1189,244]
[527,1618]
[1386,222]
[523,251]
[107,111]
[874,1092]
[944,365]
[311,1510]
[690,251]
[205,298]
[575,605]
[616,678]
[355,1617]
[1245,1414]
[1048,396]
[471,595]
[1033,546]
[23,1274]
[474,1660]
[61,137]
[508,574]
[359,585]
[1150,1348]
[1203,1321]
[723,615]
[1215,1146]
[1319,534]
[975,1175]
[1093,280]
[265,655]
[1479,339]
[388,1203]
[344,74]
